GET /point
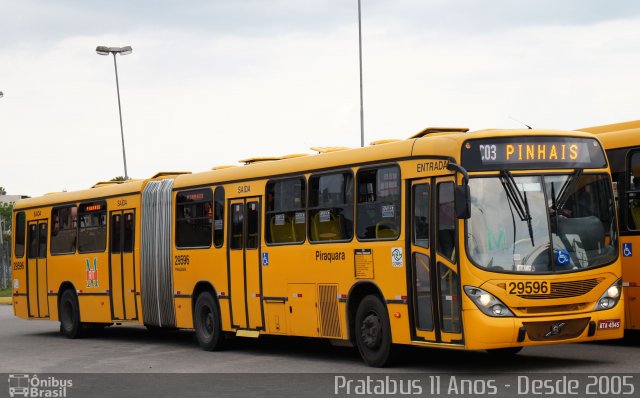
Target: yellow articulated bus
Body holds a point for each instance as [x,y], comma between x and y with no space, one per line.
[492,240]
[621,142]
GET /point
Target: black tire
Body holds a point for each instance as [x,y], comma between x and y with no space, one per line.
[504,352]
[206,321]
[69,315]
[373,332]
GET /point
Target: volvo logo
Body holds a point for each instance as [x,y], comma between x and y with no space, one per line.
[556,328]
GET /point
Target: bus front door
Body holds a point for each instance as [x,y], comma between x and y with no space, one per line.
[245,282]
[122,274]
[435,300]
[37,270]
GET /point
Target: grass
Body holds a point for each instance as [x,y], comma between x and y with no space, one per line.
[5,292]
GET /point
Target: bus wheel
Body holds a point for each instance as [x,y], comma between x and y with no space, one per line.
[504,352]
[69,314]
[206,320]
[373,332]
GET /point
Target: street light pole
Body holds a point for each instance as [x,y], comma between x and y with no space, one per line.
[361,102]
[103,50]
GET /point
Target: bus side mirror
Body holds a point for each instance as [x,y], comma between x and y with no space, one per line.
[462,198]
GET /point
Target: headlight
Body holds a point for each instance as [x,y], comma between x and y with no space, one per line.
[611,297]
[487,302]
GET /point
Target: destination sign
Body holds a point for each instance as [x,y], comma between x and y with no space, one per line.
[532,153]
[90,207]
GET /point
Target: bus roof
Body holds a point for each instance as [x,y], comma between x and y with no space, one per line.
[440,144]
[617,135]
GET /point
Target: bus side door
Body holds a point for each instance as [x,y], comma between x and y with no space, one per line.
[37,269]
[122,265]
[434,282]
[245,282]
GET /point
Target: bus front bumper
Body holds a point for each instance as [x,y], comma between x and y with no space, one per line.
[483,332]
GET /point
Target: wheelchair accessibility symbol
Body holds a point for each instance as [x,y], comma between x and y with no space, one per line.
[562,257]
[627,250]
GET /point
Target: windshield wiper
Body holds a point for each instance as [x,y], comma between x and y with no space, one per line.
[567,189]
[517,199]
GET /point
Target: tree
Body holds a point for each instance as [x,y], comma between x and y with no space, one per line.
[3,191]
[5,216]
[5,213]
[118,178]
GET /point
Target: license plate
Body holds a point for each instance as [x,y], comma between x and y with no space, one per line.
[609,324]
[536,288]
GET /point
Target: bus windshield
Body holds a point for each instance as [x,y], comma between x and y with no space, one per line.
[541,223]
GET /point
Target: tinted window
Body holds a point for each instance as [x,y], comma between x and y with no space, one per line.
[378,213]
[129,229]
[194,216]
[218,217]
[64,229]
[633,192]
[449,299]
[237,220]
[285,216]
[421,215]
[20,234]
[33,241]
[92,232]
[446,221]
[42,240]
[253,225]
[331,207]
[116,233]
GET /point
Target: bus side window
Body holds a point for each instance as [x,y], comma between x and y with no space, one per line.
[285,211]
[331,207]
[218,217]
[92,234]
[633,192]
[194,215]
[63,230]
[421,215]
[378,209]
[446,221]
[20,234]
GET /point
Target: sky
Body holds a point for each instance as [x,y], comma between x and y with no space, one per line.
[211,82]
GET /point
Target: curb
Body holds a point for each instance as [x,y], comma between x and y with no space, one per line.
[5,300]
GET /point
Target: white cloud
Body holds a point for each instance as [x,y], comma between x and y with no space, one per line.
[193,100]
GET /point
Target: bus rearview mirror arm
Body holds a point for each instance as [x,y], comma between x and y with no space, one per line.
[462,193]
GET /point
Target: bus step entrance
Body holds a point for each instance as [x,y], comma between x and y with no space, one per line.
[248,333]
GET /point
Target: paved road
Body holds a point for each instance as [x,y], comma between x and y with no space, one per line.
[36,346]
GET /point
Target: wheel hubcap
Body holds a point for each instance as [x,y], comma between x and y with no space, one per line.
[371,331]
[207,321]
[66,316]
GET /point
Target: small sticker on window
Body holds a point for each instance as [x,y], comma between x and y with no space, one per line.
[524,268]
[388,211]
[325,215]
[517,259]
[217,225]
[279,219]
[300,217]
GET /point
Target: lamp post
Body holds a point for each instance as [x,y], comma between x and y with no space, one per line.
[103,50]
[360,51]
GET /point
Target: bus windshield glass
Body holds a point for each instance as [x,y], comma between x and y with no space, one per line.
[541,223]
